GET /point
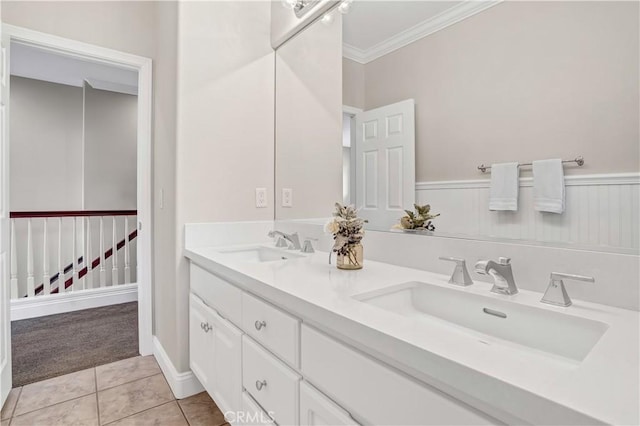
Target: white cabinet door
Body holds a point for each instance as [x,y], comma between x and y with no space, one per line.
[201,342]
[252,414]
[318,410]
[227,364]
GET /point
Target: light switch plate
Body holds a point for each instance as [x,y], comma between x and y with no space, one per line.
[287,197]
[261,198]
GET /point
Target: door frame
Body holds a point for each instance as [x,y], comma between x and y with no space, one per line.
[352,112]
[143,66]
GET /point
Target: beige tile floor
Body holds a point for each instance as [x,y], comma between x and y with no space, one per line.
[125,393]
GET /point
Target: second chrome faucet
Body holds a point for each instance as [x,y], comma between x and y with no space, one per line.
[500,271]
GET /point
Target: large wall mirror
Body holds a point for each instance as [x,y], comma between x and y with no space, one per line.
[399,102]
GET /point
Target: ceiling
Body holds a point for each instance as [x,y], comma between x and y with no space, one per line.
[373,28]
[369,23]
[41,64]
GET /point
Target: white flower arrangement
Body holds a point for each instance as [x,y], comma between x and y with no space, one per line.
[347,229]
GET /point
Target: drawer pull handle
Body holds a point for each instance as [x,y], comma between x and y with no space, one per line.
[205,326]
[260,324]
[260,384]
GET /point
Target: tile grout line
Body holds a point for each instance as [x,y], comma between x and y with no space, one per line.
[149,408]
[181,410]
[13,411]
[140,412]
[125,383]
[49,406]
[95,378]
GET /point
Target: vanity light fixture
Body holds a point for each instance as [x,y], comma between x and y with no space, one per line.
[344,8]
[299,7]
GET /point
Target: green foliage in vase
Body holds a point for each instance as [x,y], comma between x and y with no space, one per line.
[419,219]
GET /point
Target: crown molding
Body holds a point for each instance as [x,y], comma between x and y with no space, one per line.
[439,22]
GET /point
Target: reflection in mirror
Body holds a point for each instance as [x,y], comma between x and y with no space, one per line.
[432,90]
[515,82]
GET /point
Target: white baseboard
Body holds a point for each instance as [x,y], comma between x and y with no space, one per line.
[38,306]
[184,384]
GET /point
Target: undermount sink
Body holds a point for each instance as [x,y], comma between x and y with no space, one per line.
[257,255]
[500,321]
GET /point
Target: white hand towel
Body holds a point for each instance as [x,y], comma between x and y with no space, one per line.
[548,186]
[503,194]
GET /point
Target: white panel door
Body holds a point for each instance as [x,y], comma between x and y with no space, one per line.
[5,320]
[385,162]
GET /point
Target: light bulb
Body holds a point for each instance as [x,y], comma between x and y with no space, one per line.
[327,19]
[345,7]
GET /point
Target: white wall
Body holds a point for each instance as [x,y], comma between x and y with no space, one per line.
[521,81]
[309,121]
[110,145]
[165,246]
[46,146]
[224,127]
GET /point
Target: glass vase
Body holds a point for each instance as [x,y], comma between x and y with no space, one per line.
[353,259]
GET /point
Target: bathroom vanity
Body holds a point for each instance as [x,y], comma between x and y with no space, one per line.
[291,338]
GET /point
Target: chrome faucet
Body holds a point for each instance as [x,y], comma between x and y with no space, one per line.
[556,293]
[292,238]
[503,282]
[460,276]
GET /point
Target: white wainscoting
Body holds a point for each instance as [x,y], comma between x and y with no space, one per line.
[601,211]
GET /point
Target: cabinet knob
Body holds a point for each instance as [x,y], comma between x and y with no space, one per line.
[260,324]
[260,384]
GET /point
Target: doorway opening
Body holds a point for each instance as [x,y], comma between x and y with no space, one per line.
[77,132]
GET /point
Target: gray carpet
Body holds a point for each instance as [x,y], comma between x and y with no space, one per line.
[54,345]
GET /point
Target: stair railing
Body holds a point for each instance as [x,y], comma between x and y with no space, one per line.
[81,274]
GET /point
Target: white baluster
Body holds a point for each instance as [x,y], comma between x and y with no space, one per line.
[83,253]
[61,280]
[88,262]
[30,281]
[127,269]
[114,255]
[14,261]
[75,285]
[46,282]
[103,271]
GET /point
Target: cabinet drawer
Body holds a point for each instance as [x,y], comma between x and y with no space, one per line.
[217,293]
[318,410]
[252,414]
[275,329]
[376,393]
[271,383]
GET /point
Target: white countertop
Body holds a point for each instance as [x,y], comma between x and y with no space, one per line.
[509,383]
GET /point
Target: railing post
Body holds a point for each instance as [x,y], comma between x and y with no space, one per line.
[87,259]
[61,280]
[75,285]
[14,261]
[30,281]
[46,282]
[127,269]
[114,254]
[103,271]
